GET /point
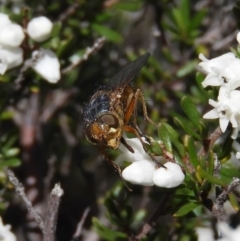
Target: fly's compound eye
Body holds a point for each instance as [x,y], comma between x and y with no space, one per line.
[110,120]
[93,132]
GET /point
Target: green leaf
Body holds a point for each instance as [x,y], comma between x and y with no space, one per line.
[107,233]
[128,6]
[197,19]
[185,13]
[165,137]
[233,200]
[154,63]
[186,69]
[211,162]
[175,139]
[56,29]
[155,148]
[210,177]
[113,211]
[13,162]
[185,209]
[191,111]
[230,172]
[138,217]
[178,20]
[8,142]
[108,33]
[227,148]
[192,152]
[187,126]
[11,152]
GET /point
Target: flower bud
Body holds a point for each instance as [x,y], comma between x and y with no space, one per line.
[4,20]
[47,65]
[39,29]
[10,58]
[238,37]
[140,172]
[169,177]
[11,35]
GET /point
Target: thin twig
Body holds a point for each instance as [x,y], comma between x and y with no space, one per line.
[48,224]
[217,208]
[80,224]
[70,11]
[217,166]
[51,171]
[211,140]
[20,191]
[51,214]
[54,102]
[89,51]
[27,64]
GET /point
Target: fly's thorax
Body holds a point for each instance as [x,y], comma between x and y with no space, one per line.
[105,130]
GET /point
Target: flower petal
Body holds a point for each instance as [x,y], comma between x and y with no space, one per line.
[3,63]
[235,133]
[6,234]
[4,20]
[212,114]
[11,35]
[169,177]
[39,28]
[47,65]
[10,58]
[212,80]
[223,122]
[233,121]
[140,173]
[139,153]
[218,63]
[238,37]
[238,155]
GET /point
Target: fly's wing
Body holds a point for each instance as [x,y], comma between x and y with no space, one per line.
[128,73]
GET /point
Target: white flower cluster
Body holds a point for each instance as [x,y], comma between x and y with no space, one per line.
[224,71]
[143,170]
[227,233]
[5,233]
[12,36]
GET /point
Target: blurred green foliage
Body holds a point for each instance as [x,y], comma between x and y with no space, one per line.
[171,31]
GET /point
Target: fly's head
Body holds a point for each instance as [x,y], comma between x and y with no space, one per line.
[106,130]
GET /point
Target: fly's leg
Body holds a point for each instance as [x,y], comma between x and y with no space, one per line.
[132,110]
[139,96]
[123,141]
[116,167]
[134,131]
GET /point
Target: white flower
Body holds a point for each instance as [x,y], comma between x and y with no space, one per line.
[229,233]
[4,20]
[11,35]
[205,234]
[231,73]
[227,109]
[47,65]
[238,155]
[40,28]
[10,58]
[223,70]
[143,170]
[235,131]
[5,233]
[140,172]
[169,177]
[238,37]
[138,155]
